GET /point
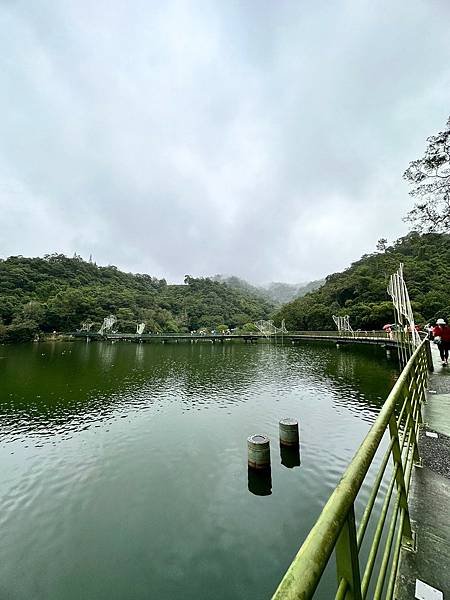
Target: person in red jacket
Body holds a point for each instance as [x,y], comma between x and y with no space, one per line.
[441,334]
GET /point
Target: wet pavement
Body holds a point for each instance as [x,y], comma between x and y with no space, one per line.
[429,498]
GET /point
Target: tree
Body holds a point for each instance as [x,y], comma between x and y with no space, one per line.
[249,327]
[360,290]
[21,331]
[430,176]
[382,245]
[60,293]
[34,311]
[3,330]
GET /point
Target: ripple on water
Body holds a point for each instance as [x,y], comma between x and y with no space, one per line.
[151,464]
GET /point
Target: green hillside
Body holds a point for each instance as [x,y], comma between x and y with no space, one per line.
[280,293]
[277,292]
[59,293]
[360,291]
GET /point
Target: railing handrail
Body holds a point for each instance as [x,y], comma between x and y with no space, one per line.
[331,334]
[305,571]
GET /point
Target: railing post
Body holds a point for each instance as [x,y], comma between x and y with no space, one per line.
[422,377]
[429,356]
[347,561]
[400,479]
[413,390]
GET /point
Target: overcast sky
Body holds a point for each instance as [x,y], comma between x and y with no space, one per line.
[256,138]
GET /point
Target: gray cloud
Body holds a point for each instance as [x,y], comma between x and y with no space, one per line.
[264,139]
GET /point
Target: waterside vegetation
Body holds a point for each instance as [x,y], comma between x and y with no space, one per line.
[59,293]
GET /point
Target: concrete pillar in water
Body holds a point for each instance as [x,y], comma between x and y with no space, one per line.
[258,448]
[289,432]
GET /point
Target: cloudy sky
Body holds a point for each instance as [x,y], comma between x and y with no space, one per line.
[265,139]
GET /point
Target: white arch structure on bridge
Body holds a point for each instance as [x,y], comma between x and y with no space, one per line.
[107,325]
[267,328]
[404,316]
[343,323]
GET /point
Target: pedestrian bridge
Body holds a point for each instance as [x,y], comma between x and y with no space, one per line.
[340,337]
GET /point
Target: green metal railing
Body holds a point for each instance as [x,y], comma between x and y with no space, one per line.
[336,528]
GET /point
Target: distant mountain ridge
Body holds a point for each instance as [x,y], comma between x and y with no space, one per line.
[277,292]
[280,293]
[60,293]
[361,290]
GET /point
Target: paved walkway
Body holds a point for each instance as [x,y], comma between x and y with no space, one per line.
[430,499]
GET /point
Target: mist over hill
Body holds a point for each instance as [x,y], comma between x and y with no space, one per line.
[277,292]
[280,293]
[60,293]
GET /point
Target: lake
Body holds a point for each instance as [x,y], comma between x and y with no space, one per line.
[124,466]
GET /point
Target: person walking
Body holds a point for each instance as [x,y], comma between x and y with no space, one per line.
[441,334]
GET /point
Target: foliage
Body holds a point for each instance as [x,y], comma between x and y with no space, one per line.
[276,292]
[382,245]
[360,291]
[249,328]
[280,293]
[430,176]
[60,293]
[18,331]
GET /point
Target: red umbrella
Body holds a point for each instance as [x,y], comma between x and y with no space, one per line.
[387,326]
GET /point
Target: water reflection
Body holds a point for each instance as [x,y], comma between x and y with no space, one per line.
[140,354]
[73,384]
[260,481]
[290,456]
[106,354]
[136,454]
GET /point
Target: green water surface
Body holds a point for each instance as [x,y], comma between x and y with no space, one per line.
[124,472]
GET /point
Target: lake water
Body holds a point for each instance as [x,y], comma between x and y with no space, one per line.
[124,466]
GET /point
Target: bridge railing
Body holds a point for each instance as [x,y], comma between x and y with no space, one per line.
[367,575]
[396,336]
[347,334]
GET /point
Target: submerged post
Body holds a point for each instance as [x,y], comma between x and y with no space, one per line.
[258,447]
[289,432]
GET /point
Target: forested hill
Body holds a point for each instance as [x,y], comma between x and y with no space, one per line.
[280,293]
[59,293]
[277,292]
[360,291]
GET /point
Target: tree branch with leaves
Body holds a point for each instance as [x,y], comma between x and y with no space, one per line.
[430,176]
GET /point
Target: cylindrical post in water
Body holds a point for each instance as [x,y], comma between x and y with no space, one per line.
[258,447]
[289,432]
